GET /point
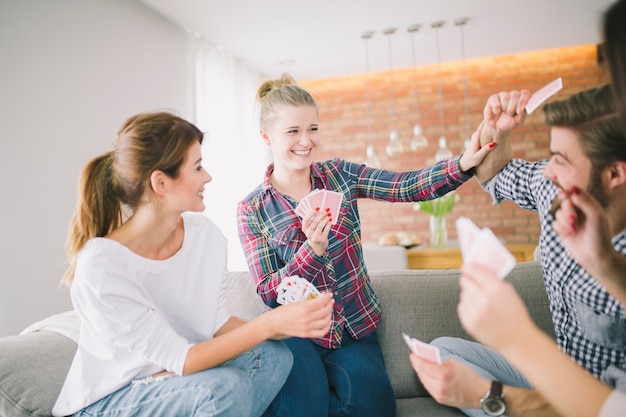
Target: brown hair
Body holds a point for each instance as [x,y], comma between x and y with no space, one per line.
[594,118]
[281,92]
[615,40]
[116,181]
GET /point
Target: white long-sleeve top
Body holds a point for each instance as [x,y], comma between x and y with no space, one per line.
[140,316]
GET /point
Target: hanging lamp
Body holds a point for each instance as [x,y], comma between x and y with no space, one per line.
[461,24]
[394,147]
[371,160]
[419,141]
[443,152]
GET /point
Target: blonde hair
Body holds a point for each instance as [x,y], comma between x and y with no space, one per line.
[117,180]
[281,92]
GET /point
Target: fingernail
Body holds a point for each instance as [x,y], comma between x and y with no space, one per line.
[317,209]
[329,214]
[492,145]
[327,210]
[575,190]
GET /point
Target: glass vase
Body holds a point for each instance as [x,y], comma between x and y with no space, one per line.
[438,232]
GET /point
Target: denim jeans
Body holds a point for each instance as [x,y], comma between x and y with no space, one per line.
[483,360]
[349,381]
[241,387]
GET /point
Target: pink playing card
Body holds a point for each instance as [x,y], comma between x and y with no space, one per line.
[467,232]
[332,201]
[423,350]
[543,94]
[490,253]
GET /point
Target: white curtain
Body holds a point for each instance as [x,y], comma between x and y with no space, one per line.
[233,152]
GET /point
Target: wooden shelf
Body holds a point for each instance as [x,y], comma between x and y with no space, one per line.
[450,258]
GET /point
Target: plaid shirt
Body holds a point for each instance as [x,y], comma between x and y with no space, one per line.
[589,323]
[275,246]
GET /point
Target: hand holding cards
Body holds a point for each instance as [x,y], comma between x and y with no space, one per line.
[322,199]
[482,247]
[423,350]
[295,288]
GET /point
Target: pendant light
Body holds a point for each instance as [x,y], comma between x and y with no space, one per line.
[394,147]
[443,152]
[461,23]
[419,141]
[371,160]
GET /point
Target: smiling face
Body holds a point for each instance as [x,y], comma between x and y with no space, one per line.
[569,166]
[293,137]
[186,191]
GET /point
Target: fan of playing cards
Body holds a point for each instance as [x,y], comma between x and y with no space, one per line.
[423,350]
[481,246]
[295,288]
[322,199]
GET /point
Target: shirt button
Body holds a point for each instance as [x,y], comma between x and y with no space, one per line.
[336,292]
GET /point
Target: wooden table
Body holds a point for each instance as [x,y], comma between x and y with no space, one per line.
[450,258]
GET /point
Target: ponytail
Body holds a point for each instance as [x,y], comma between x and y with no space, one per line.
[99,210]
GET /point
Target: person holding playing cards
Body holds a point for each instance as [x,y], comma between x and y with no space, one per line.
[148,281]
[302,220]
[588,147]
[592,233]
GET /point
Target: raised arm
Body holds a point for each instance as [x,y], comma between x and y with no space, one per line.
[503,112]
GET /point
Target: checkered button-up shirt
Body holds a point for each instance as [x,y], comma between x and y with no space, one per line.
[589,323]
[275,246]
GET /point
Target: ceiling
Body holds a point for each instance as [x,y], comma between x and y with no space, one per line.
[315,39]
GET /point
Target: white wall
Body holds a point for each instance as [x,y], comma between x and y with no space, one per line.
[70,72]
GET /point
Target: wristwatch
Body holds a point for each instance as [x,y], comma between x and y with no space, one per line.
[493,402]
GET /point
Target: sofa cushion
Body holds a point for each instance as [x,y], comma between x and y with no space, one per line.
[33,367]
[423,304]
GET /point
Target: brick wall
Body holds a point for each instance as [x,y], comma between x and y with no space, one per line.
[345,133]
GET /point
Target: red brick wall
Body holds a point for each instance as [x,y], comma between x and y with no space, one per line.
[344,128]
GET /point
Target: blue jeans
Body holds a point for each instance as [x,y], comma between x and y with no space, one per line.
[349,381]
[241,387]
[483,360]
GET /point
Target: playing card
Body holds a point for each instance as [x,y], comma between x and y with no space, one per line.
[481,246]
[467,232]
[423,350]
[322,199]
[543,94]
[490,253]
[332,201]
[295,288]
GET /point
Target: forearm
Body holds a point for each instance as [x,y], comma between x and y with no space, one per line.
[232,339]
[567,387]
[496,159]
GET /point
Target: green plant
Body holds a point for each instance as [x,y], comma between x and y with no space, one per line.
[439,206]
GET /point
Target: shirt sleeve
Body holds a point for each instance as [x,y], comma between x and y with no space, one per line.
[266,267]
[420,185]
[520,182]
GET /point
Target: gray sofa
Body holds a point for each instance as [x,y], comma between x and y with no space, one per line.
[421,303]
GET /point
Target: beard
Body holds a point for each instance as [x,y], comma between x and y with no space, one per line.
[596,189]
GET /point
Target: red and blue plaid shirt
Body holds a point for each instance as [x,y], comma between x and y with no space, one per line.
[276,247]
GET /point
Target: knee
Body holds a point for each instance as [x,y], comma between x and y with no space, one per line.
[447,343]
[278,355]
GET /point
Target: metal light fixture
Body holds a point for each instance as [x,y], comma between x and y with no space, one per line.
[443,152]
[371,159]
[418,141]
[394,147]
[461,23]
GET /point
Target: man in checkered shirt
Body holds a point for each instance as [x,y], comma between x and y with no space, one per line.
[588,148]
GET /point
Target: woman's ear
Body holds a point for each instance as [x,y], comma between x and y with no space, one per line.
[266,137]
[158,182]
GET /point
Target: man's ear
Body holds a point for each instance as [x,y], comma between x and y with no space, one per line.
[265,136]
[617,173]
[158,182]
